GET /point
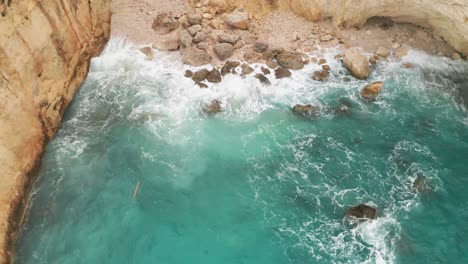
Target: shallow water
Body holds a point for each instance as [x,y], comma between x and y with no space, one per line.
[254,184]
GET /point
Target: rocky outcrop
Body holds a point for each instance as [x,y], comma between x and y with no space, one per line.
[362,211]
[447,18]
[45,50]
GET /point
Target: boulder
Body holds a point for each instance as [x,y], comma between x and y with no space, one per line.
[282,73]
[194,19]
[362,211]
[252,56]
[271,64]
[171,42]
[260,47]
[371,92]
[200,75]
[228,38]
[320,75]
[420,184]
[165,23]
[229,67]
[194,29]
[148,51]
[290,60]
[373,59]
[186,40]
[202,85]
[223,50]
[326,67]
[246,69]
[199,37]
[195,57]
[265,71]
[321,61]
[214,76]
[326,37]
[400,52]
[305,110]
[382,52]
[213,107]
[238,19]
[262,79]
[357,64]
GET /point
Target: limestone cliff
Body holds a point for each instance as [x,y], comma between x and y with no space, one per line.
[448,18]
[45,49]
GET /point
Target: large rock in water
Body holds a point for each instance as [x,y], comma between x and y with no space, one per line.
[357,64]
[200,75]
[238,19]
[371,92]
[362,211]
[213,107]
[195,57]
[290,60]
[305,110]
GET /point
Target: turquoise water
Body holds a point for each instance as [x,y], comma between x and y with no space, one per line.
[254,184]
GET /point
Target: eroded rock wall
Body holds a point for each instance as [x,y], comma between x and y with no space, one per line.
[45,49]
[448,18]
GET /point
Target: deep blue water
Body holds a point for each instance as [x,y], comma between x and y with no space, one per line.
[254,184]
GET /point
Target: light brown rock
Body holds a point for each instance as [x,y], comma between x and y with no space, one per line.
[223,50]
[238,19]
[195,57]
[290,60]
[371,92]
[357,64]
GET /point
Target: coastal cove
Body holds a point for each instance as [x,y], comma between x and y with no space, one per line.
[233,131]
[254,183]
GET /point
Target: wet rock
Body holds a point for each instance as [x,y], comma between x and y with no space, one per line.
[214,76]
[199,37]
[306,61]
[382,52]
[282,73]
[193,30]
[456,56]
[195,57]
[420,184]
[265,71]
[165,23]
[320,75]
[229,67]
[194,19]
[246,69]
[213,107]
[238,19]
[202,85]
[223,50]
[200,75]
[228,38]
[362,211]
[262,79]
[290,60]
[357,64]
[148,51]
[373,59]
[371,92]
[188,73]
[305,110]
[326,67]
[260,47]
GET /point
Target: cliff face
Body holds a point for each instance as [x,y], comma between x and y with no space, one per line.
[45,49]
[448,18]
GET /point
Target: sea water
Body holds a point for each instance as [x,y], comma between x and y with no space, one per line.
[255,183]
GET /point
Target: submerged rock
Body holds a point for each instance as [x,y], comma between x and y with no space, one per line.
[213,107]
[357,64]
[262,79]
[420,184]
[305,110]
[371,92]
[148,51]
[195,57]
[362,211]
[223,50]
[282,73]
[320,75]
[290,60]
[214,76]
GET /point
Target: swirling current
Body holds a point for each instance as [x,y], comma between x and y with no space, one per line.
[255,183]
